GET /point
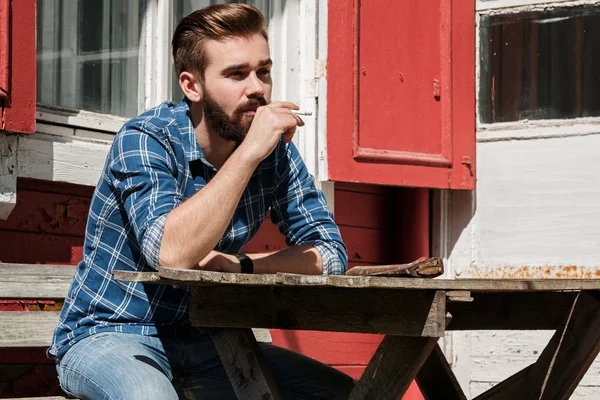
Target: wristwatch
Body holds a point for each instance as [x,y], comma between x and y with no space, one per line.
[246,263]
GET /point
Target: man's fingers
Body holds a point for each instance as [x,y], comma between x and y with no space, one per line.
[284,104]
[289,134]
[286,112]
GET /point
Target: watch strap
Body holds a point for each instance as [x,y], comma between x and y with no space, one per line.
[246,263]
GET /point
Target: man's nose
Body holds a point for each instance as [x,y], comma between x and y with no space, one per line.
[255,86]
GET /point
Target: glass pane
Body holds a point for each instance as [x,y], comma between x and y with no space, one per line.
[89,56]
[540,65]
[184,7]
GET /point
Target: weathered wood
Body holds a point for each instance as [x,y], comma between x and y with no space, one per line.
[410,313]
[507,388]
[463,296]
[133,276]
[511,311]
[35,329]
[436,380]
[202,278]
[41,398]
[425,268]
[27,329]
[245,365]
[568,355]
[36,269]
[30,281]
[394,365]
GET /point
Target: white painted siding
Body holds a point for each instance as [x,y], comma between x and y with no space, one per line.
[536,209]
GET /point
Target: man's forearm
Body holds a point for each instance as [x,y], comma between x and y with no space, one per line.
[194,228]
[302,259]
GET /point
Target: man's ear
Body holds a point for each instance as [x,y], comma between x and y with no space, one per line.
[190,86]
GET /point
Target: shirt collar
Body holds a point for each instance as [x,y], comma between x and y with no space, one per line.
[191,147]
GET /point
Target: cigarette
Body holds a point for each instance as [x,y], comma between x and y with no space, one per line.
[307,113]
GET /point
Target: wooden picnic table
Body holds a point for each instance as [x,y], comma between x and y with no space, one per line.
[412,313]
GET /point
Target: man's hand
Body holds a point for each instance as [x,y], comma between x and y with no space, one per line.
[269,124]
[220,262]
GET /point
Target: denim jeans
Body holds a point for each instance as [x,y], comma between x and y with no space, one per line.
[182,366]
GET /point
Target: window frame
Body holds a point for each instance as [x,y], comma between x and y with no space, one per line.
[524,129]
[154,72]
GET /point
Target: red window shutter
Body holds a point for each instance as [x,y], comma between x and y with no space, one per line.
[17,65]
[401,92]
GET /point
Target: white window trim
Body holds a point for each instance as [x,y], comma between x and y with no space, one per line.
[525,5]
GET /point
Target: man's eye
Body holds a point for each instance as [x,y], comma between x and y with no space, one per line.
[264,72]
[235,74]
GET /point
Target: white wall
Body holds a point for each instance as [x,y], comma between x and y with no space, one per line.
[535,214]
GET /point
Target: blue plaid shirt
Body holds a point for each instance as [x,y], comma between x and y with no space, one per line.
[154,165]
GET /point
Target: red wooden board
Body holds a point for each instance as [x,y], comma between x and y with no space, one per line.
[401,93]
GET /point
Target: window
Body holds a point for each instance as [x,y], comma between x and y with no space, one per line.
[539,64]
[89,55]
[100,56]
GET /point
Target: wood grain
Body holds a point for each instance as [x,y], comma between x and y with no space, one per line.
[199,278]
[568,355]
[27,281]
[393,367]
[410,313]
[245,365]
[426,268]
[507,388]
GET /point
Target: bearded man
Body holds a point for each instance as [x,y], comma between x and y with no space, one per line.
[188,185]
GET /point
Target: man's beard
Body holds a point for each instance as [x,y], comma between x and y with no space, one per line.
[234,127]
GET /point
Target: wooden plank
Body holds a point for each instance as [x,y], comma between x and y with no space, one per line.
[36,269]
[393,367]
[568,355]
[511,311]
[199,278]
[436,379]
[410,313]
[133,276]
[507,388]
[31,281]
[245,365]
[27,329]
[426,268]
[35,329]
[396,363]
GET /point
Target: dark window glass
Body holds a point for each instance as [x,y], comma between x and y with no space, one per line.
[540,65]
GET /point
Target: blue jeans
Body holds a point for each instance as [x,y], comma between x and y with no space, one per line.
[182,366]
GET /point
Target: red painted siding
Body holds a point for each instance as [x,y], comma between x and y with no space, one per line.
[18,66]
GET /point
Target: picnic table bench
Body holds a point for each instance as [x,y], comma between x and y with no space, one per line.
[412,313]
[34,329]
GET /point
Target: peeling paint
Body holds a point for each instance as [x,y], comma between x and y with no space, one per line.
[532,272]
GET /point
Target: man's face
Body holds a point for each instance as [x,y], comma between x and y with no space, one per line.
[237,81]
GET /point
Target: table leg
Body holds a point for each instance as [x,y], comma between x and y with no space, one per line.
[393,367]
[564,361]
[398,359]
[436,380]
[244,363]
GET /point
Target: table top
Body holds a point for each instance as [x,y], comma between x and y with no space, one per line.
[203,278]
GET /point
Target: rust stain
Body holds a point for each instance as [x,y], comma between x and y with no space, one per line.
[532,272]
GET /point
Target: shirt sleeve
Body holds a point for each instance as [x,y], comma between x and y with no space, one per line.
[143,171]
[300,210]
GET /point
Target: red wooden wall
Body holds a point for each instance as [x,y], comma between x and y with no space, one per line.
[48,225]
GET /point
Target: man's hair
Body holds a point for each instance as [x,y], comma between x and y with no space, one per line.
[217,22]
